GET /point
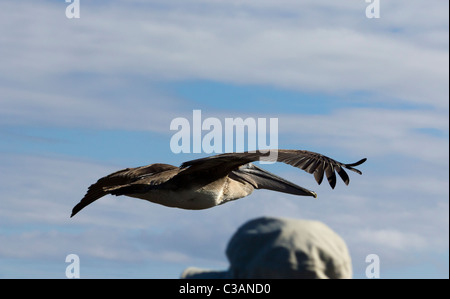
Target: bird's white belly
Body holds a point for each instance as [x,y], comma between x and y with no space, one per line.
[198,199]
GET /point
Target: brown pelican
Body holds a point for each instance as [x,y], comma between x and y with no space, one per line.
[211,181]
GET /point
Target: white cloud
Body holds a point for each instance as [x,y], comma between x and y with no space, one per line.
[245,47]
[58,108]
[376,132]
[394,239]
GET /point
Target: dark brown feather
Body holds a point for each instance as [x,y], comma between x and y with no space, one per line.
[311,162]
[116,180]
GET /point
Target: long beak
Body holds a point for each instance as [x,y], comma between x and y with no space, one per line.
[262,179]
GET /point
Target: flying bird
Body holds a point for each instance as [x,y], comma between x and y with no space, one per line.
[207,182]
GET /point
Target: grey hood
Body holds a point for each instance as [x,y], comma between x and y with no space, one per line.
[268,248]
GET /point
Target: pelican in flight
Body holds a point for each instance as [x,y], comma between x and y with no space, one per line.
[207,182]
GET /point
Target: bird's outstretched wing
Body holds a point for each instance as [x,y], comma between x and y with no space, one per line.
[119,179]
[310,162]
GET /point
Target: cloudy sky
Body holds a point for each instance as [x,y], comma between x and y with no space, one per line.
[83,97]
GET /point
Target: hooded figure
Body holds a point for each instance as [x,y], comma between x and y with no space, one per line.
[268,248]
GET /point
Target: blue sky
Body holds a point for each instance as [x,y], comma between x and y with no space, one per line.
[81,98]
